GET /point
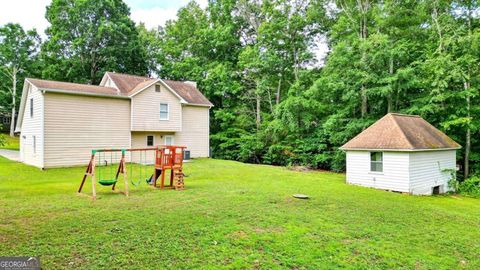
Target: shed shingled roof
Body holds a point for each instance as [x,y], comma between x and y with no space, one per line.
[401,132]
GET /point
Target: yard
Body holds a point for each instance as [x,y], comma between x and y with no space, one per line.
[233,215]
[12,143]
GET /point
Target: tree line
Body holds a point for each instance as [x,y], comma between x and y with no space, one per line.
[257,62]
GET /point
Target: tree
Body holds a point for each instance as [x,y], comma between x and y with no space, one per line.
[17,52]
[88,37]
[450,72]
[150,44]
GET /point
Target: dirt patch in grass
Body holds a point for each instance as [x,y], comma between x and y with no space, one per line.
[300,169]
[268,230]
[309,169]
[238,235]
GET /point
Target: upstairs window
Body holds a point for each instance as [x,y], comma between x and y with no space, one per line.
[163,111]
[157,87]
[31,107]
[150,141]
[376,161]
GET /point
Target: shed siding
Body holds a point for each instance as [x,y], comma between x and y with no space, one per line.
[426,170]
[394,176]
[74,125]
[146,111]
[195,131]
[33,126]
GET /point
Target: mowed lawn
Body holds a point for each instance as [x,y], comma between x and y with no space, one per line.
[11,143]
[233,215]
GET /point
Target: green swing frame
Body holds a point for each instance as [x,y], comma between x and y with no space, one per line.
[92,170]
[100,172]
[142,169]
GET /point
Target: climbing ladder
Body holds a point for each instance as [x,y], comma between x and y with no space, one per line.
[178,183]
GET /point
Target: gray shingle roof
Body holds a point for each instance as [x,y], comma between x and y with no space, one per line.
[73,87]
[127,85]
[401,132]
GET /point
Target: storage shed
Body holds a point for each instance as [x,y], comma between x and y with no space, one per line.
[401,153]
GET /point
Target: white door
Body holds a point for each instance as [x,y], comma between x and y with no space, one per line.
[169,140]
[22,147]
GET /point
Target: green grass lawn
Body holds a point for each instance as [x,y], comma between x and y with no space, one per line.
[233,215]
[13,143]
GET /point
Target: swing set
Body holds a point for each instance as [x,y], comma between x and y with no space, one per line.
[107,165]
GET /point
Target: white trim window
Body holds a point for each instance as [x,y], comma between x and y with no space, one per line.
[376,161]
[164,111]
[150,140]
[169,140]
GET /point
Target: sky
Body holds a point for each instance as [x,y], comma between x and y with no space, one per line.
[31,14]
[151,12]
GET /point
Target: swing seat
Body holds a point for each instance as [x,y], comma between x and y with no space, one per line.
[136,183]
[107,182]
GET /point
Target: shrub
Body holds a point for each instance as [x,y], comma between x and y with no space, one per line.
[3,140]
[470,187]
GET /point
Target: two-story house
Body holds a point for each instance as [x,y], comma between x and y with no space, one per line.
[60,122]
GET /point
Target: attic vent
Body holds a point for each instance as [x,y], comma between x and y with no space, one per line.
[157,87]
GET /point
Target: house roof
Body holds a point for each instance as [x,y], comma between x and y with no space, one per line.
[126,83]
[401,132]
[125,87]
[188,92]
[73,87]
[131,84]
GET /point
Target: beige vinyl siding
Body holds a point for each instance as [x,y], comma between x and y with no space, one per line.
[427,170]
[195,131]
[146,111]
[110,83]
[76,124]
[395,174]
[32,126]
[139,140]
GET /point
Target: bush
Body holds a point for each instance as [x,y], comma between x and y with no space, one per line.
[470,187]
[3,140]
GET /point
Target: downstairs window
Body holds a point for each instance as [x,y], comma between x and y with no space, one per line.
[376,161]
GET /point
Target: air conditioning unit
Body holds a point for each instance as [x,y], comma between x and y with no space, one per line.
[186,155]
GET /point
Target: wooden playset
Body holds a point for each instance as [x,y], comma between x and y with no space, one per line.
[169,158]
[101,169]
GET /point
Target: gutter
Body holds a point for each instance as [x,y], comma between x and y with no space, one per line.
[68,92]
[398,150]
[199,105]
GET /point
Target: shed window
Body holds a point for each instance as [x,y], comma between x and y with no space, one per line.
[376,161]
[163,111]
[150,140]
[31,107]
[157,87]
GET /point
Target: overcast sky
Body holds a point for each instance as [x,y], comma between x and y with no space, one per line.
[31,14]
